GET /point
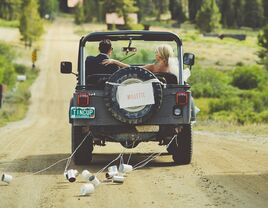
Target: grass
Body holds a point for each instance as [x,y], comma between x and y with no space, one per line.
[16,101]
[227,127]
[5,23]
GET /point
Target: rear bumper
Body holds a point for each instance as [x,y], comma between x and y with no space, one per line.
[164,116]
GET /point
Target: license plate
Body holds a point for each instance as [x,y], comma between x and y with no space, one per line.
[82,112]
[147,128]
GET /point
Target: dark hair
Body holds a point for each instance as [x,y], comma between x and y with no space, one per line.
[105,45]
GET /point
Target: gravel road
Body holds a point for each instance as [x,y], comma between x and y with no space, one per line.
[225,172]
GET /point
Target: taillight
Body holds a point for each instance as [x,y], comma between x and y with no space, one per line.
[182,98]
[83,99]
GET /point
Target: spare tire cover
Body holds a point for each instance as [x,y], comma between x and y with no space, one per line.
[134,115]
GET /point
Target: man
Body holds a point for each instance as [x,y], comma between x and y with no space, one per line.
[94,65]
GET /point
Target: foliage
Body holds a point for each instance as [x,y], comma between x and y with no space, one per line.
[194,6]
[7,72]
[263,42]
[20,68]
[121,7]
[176,11]
[248,77]
[161,7]
[16,101]
[79,14]
[208,83]
[208,17]
[6,52]
[9,23]
[227,10]
[31,25]
[48,7]
[265,9]
[10,9]
[147,8]
[253,13]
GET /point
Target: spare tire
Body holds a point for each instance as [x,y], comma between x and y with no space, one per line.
[131,115]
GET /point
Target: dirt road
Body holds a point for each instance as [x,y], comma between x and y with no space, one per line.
[226,171]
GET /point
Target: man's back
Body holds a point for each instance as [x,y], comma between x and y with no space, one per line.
[94,65]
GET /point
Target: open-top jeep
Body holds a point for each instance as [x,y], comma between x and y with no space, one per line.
[131,105]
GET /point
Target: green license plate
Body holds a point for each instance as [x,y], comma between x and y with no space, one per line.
[82,112]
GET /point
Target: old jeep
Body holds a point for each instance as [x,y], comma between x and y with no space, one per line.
[131,105]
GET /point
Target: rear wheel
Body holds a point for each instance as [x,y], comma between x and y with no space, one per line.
[181,147]
[83,154]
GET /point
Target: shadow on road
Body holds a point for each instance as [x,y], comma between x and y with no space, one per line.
[34,163]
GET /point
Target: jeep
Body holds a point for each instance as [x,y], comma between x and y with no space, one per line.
[131,105]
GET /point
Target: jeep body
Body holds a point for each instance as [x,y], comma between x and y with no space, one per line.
[102,107]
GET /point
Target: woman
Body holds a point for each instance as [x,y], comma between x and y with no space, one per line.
[163,53]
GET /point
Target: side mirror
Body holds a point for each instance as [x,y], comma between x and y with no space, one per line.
[188,59]
[66,67]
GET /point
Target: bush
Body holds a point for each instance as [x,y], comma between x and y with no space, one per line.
[7,72]
[6,52]
[20,69]
[208,83]
[248,77]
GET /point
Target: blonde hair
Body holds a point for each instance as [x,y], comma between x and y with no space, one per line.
[165,51]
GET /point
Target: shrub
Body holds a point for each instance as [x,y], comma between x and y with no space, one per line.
[208,83]
[248,77]
[20,68]
[7,72]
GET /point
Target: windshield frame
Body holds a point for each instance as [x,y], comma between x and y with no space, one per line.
[127,35]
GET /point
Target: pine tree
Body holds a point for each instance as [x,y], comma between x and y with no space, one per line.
[176,11]
[161,7]
[253,13]
[238,12]
[208,17]
[263,42]
[31,25]
[265,10]
[10,9]
[89,10]
[79,17]
[227,11]
[146,8]
[194,6]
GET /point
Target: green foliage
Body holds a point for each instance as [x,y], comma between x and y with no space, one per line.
[265,10]
[79,14]
[147,8]
[194,6]
[121,7]
[16,102]
[10,9]
[176,11]
[248,77]
[253,13]
[48,7]
[9,23]
[7,72]
[228,13]
[263,42]
[20,68]
[208,83]
[31,25]
[6,52]
[208,17]
[161,7]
